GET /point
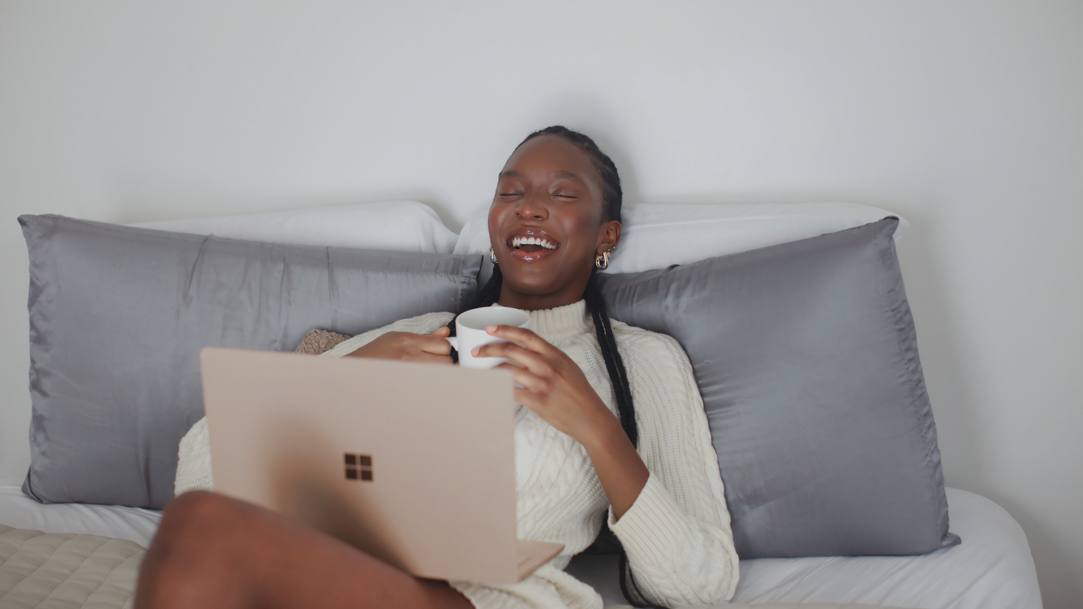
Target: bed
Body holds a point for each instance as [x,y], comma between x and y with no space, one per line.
[992,569]
[839,565]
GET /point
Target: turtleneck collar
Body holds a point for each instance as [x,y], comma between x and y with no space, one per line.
[561,322]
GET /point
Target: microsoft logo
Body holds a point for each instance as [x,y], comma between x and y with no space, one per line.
[359,467]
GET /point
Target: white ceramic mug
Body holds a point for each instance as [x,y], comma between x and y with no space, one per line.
[470,332]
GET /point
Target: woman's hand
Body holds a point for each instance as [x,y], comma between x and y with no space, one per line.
[556,389]
[409,347]
[553,386]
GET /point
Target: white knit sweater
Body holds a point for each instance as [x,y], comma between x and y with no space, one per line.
[677,533]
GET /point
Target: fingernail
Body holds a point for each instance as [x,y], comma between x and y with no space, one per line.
[490,329]
[475,351]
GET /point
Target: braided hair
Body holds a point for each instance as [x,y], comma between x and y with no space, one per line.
[595,304]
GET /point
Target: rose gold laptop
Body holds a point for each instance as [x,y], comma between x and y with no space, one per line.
[411,463]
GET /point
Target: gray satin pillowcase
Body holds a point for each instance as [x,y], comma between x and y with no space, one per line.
[118,316]
[806,357]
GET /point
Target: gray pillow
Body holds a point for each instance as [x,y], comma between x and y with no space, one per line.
[118,316]
[807,360]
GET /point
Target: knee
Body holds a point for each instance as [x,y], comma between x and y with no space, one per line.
[191,512]
[197,503]
[183,559]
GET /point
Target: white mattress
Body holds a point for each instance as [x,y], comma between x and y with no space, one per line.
[19,511]
[991,569]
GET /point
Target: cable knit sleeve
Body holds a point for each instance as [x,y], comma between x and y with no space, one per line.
[194,452]
[194,461]
[677,533]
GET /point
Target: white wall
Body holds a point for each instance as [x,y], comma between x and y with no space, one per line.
[964,116]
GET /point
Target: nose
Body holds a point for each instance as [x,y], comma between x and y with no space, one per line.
[533,208]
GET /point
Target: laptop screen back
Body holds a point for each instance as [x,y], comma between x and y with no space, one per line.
[412,463]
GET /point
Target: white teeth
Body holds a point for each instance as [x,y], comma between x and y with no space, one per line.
[522,240]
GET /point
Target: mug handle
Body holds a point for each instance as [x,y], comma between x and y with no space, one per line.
[454,340]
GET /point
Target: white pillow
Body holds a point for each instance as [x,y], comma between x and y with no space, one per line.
[658,235]
[395,225]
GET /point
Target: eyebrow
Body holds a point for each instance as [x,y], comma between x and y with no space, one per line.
[567,175]
[560,175]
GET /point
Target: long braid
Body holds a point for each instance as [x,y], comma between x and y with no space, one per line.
[622,393]
[488,295]
[490,292]
[613,362]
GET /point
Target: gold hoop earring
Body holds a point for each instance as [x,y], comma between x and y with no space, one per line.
[492,254]
[601,261]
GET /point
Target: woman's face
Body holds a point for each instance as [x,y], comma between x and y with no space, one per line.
[546,224]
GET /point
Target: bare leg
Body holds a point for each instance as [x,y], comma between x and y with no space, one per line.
[213,551]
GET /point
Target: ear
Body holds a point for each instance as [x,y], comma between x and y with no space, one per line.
[608,237]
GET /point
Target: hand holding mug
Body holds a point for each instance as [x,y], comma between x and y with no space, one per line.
[409,347]
[548,382]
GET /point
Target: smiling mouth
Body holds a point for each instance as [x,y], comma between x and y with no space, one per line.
[529,246]
[532,244]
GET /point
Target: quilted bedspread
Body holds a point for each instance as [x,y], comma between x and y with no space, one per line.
[69,571]
[66,571]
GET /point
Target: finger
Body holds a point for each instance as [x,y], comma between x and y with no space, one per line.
[525,337]
[522,376]
[434,344]
[535,362]
[429,358]
[526,398]
[443,332]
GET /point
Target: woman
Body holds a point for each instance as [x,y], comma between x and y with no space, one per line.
[554,220]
